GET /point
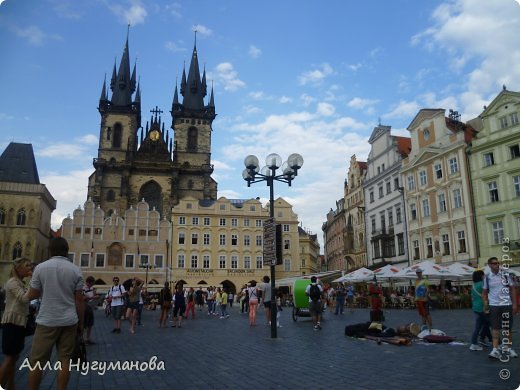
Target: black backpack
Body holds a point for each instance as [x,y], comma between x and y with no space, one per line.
[315,292]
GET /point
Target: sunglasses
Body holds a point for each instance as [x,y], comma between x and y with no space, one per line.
[116,280]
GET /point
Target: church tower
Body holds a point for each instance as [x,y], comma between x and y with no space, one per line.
[135,163]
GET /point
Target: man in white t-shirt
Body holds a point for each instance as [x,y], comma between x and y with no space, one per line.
[315,293]
[117,303]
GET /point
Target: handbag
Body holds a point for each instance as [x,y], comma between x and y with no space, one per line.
[30,326]
[80,350]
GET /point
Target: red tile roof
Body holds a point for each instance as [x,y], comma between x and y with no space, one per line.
[456,126]
[404,145]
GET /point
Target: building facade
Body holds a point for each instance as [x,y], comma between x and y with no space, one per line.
[384,207]
[355,234]
[26,206]
[334,233]
[436,177]
[494,157]
[309,252]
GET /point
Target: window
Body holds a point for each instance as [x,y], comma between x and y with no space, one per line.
[380,190]
[259,240]
[516,183]
[390,218]
[182,220]
[514,119]
[247,262]
[222,222]
[252,208]
[489,159]
[515,151]
[246,222]
[382,219]
[400,243]
[445,244]
[207,221]
[152,233]
[398,215]
[438,171]
[285,228]
[144,260]
[371,196]
[100,260]
[142,232]
[247,240]
[222,261]
[129,261]
[189,206]
[207,239]
[194,261]
[286,244]
[130,231]
[388,187]
[422,178]
[118,132]
[84,260]
[195,220]
[454,166]
[411,183]
[192,138]
[503,122]
[194,238]
[286,265]
[259,262]
[416,253]
[234,222]
[377,250]
[182,238]
[21,217]
[159,261]
[180,261]
[457,199]
[258,223]
[2,216]
[493,192]
[373,223]
[234,262]
[429,247]
[498,232]
[111,196]
[17,250]
[223,207]
[396,183]
[205,262]
[461,236]
[234,239]
[222,239]
[442,203]
[413,211]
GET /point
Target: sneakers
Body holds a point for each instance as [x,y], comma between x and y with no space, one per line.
[495,354]
[475,347]
[316,327]
[512,353]
[485,343]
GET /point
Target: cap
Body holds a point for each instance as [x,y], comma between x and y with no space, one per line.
[418,270]
[313,279]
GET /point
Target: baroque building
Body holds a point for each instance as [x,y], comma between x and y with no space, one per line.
[26,206]
[437,189]
[309,252]
[494,157]
[355,235]
[384,200]
[334,232]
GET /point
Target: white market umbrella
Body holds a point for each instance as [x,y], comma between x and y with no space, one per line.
[360,275]
[387,272]
[429,269]
[464,271]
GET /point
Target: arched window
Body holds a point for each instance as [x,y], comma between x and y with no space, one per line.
[111,195]
[17,250]
[192,138]
[21,217]
[2,217]
[118,133]
[151,193]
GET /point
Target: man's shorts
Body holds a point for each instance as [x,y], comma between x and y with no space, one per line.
[117,312]
[501,317]
[13,339]
[88,321]
[315,308]
[422,308]
[46,337]
[267,304]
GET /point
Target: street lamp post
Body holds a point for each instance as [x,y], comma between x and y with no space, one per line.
[253,174]
[147,266]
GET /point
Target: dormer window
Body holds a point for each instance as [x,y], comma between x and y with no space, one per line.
[426,134]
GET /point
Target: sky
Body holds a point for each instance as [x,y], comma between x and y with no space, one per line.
[292,76]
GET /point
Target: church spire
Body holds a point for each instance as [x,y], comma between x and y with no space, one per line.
[194,91]
[123,83]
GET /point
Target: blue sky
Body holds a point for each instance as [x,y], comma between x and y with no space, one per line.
[289,76]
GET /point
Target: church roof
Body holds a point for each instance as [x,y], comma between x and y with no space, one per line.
[17,164]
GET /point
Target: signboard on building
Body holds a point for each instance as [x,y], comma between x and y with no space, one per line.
[269,242]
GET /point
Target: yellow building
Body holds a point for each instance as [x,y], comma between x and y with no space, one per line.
[25,208]
[221,242]
[309,252]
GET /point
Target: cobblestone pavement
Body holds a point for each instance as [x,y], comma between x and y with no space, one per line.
[213,353]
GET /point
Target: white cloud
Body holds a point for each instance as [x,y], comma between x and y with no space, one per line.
[254,52]
[172,46]
[404,109]
[360,103]
[133,15]
[79,149]
[228,77]
[307,99]
[257,95]
[325,109]
[315,76]
[354,67]
[202,30]
[285,99]
[34,35]
[5,117]
[175,9]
